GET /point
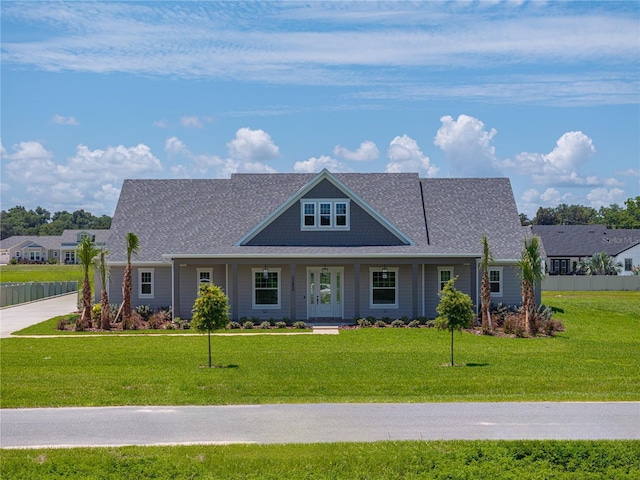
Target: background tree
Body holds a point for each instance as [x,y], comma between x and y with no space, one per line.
[103,270]
[86,252]
[455,310]
[210,311]
[485,288]
[531,273]
[600,264]
[133,247]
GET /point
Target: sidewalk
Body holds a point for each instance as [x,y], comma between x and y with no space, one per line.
[17,317]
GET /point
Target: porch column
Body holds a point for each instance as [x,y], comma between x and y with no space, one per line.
[234,291]
[356,287]
[175,288]
[292,274]
[414,289]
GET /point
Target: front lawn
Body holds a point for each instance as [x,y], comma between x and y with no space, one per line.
[595,359]
[43,273]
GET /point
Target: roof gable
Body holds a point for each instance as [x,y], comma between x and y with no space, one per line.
[326,185]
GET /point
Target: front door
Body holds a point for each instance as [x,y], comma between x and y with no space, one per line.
[324,293]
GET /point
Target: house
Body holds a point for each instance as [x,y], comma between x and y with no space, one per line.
[315,247]
[42,249]
[566,245]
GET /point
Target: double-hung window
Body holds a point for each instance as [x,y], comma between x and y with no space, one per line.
[266,288]
[628,264]
[495,281]
[145,282]
[444,275]
[205,275]
[384,287]
[330,214]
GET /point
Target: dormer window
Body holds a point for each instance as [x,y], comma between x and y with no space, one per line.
[330,214]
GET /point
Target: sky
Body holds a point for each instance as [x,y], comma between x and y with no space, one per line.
[544,93]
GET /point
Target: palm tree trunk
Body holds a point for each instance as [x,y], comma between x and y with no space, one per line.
[126,296]
[105,313]
[485,296]
[86,302]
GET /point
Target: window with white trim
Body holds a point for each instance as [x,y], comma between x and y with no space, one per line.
[145,282]
[383,287]
[329,214]
[205,275]
[628,264]
[444,275]
[266,288]
[495,281]
[34,256]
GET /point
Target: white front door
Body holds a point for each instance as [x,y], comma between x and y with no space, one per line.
[324,293]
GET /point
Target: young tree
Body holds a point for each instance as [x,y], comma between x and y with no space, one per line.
[485,289]
[133,247]
[103,270]
[455,310]
[210,311]
[85,252]
[531,272]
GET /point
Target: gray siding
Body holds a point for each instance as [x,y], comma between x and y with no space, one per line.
[189,288]
[404,292]
[432,287]
[161,287]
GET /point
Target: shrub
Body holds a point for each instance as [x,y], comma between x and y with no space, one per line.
[381,324]
[248,325]
[397,323]
[62,324]
[386,319]
[95,311]
[134,322]
[510,322]
[281,324]
[234,325]
[364,323]
[551,326]
[266,325]
[405,320]
[422,320]
[286,321]
[144,311]
[300,325]
[414,324]
[158,319]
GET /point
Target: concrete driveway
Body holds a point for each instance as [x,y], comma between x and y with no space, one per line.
[17,317]
[307,423]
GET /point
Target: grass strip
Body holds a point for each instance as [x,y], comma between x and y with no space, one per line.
[381,460]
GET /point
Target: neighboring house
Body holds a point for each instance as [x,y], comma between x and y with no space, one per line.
[566,245]
[44,248]
[315,247]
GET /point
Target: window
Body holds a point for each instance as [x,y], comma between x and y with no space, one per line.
[69,257]
[325,214]
[495,280]
[34,256]
[384,287]
[266,288]
[145,283]
[628,264]
[444,275]
[205,275]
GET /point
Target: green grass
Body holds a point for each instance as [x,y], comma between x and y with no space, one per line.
[595,359]
[382,460]
[42,273]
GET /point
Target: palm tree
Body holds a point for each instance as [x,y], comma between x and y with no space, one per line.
[85,252]
[133,247]
[103,269]
[485,289]
[531,273]
[600,264]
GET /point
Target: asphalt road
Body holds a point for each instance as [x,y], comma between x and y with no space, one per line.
[310,423]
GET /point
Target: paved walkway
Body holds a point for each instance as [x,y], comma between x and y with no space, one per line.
[311,423]
[17,317]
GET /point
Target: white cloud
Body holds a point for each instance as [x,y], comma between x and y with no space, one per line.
[599,197]
[161,124]
[366,152]
[405,156]
[467,145]
[252,145]
[190,122]
[314,165]
[60,120]
[30,162]
[176,146]
[561,165]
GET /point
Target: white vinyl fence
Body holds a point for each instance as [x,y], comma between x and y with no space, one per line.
[591,283]
[15,293]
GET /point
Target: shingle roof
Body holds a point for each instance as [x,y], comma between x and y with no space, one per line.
[585,240]
[48,242]
[208,217]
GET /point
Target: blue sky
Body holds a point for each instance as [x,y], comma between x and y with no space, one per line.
[545,93]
